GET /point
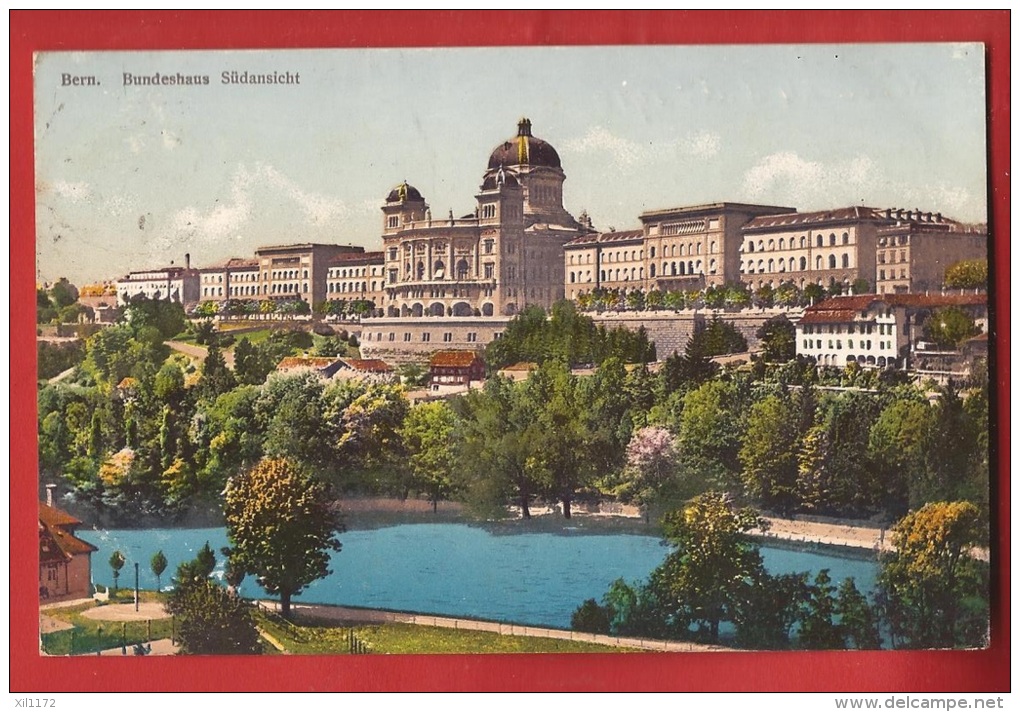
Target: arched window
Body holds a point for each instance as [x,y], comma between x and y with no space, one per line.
[832,261]
[750,246]
[651,253]
[772,266]
[832,239]
[682,268]
[782,244]
[803,263]
[772,245]
[792,264]
[672,268]
[803,240]
[712,249]
[818,260]
[818,241]
[462,269]
[760,248]
[846,238]
[651,267]
[846,261]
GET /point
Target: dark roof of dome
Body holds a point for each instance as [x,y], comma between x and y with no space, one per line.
[404,192]
[491,181]
[524,149]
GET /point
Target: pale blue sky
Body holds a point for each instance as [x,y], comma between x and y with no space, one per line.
[134,177]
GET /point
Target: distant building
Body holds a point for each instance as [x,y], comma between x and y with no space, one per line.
[698,246]
[325,366]
[825,247]
[298,272]
[358,276]
[175,284]
[371,370]
[912,255]
[881,330]
[455,369]
[236,278]
[519,371]
[504,255]
[609,260]
[65,561]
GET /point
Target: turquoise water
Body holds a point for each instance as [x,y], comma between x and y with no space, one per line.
[455,569]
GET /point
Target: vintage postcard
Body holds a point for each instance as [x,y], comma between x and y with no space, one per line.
[649,349]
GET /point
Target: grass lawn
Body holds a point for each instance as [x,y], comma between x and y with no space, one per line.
[402,638]
[89,635]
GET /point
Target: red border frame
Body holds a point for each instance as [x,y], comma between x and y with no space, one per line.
[986,670]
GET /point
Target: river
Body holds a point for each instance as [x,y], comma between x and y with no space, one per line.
[535,578]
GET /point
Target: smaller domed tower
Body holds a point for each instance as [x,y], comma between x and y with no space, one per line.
[403,205]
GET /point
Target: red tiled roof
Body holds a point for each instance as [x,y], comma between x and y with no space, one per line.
[457,359]
[53,517]
[55,538]
[836,310]
[372,365]
[305,362]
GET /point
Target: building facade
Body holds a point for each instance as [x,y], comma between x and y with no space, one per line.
[65,561]
[237,278]
[176,284]
[882,330]
[697,246]
[505,255]
[825,247]
[912,255]
[354,275]
[298,272]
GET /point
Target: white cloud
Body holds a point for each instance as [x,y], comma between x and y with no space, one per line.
[787,176]
[625,153]
[256,186]
[701,145]
[600,140]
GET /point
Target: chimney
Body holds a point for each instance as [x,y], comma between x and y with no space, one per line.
[888,213]
[49,495]
[187,260]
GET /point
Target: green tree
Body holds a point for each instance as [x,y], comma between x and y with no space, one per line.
[897,446]
[253,363]
[967,274]
[590,617]
[933,591]
[210,621]
[282,526]
[63,293]
[710,434]
[778,340]
[949,327]
[216,377]
[768,453]
[427,435]
[117,562]
[495,460]
[714,565]
[857,619]
[158,565]
[819,629]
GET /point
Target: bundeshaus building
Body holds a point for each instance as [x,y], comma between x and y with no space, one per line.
[494,261]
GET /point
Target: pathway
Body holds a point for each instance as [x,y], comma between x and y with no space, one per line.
[343,616]
[200,352]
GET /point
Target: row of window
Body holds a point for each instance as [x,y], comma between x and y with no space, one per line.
[861,344]
[892,273]
[792,245]
[792,264]
[883,329]
[426,336]
[892,255]
[343,287]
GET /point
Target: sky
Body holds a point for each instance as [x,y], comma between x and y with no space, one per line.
[133,177]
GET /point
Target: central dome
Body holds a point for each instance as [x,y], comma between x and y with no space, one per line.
[524,149]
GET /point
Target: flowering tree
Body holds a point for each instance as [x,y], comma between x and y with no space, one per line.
[651,463]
